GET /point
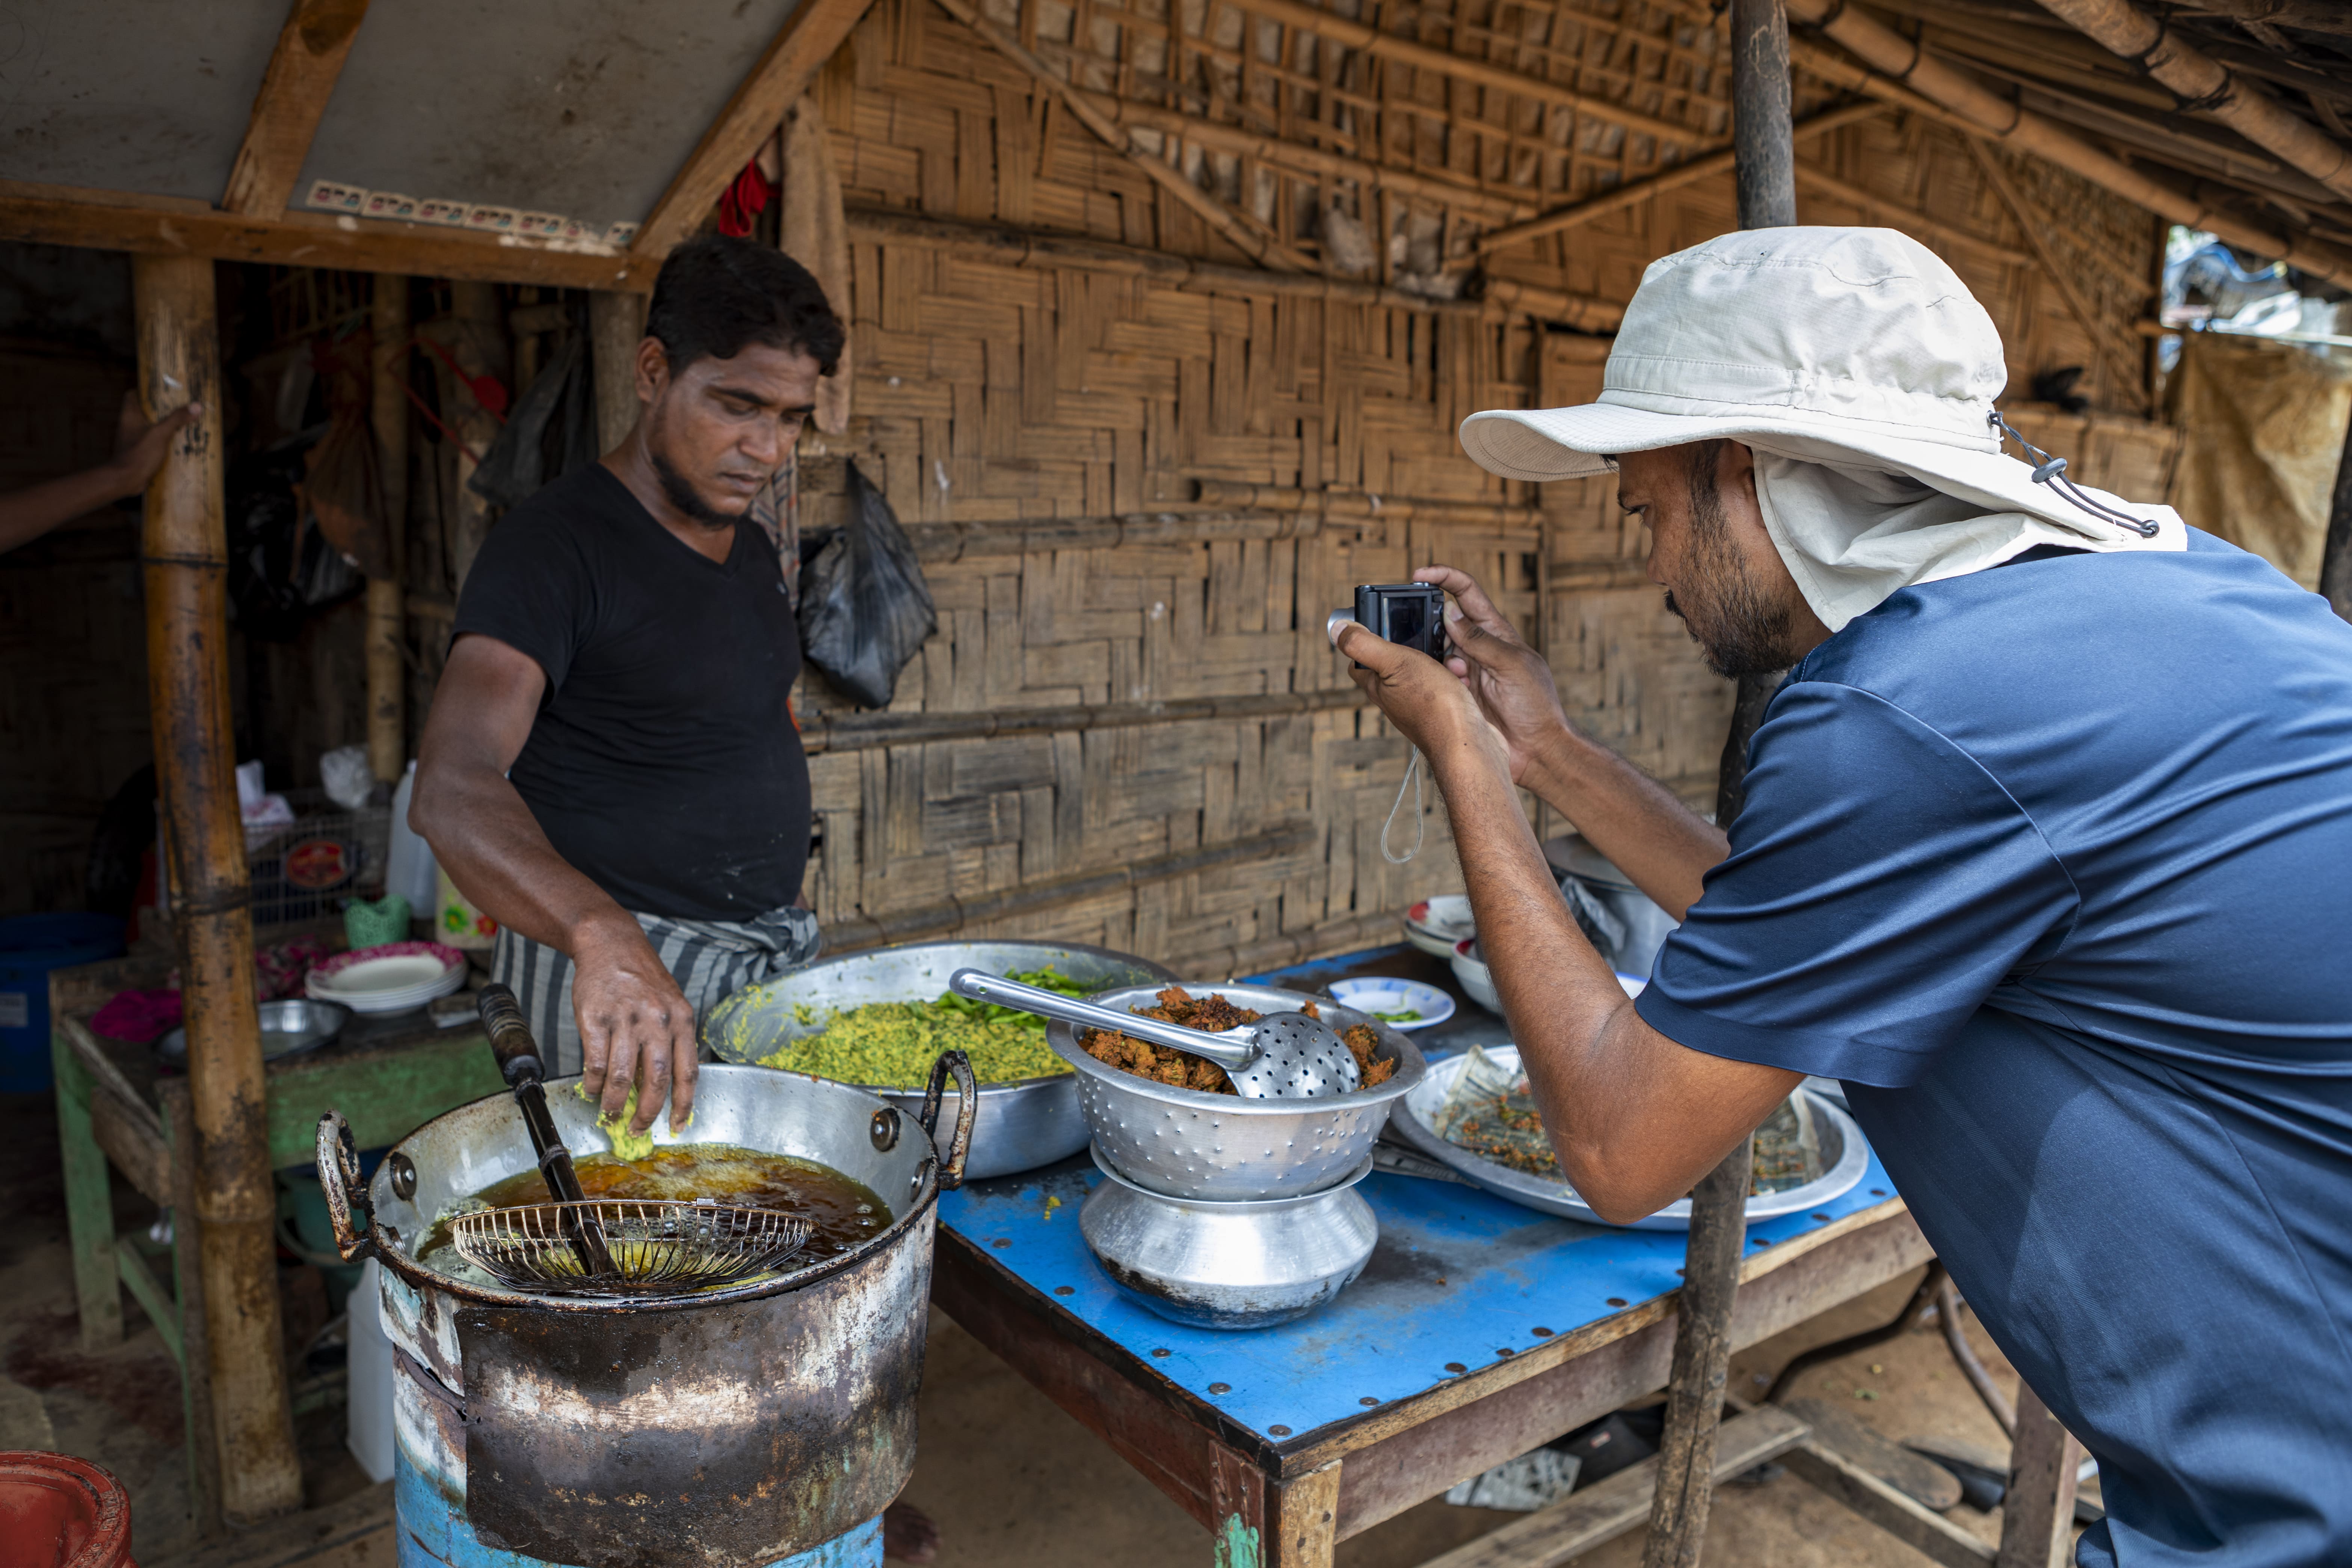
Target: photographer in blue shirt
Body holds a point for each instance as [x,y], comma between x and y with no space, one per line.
[2047,853]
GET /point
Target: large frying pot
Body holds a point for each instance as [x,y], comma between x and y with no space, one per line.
[1020,1125]
[724,1429]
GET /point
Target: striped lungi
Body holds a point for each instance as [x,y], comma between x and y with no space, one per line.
[711,959]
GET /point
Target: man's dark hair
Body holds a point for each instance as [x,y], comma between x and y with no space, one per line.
[716,293]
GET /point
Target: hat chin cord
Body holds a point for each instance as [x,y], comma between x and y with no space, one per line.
[2052,471]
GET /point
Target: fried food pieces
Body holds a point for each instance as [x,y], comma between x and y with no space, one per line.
[1211,1015]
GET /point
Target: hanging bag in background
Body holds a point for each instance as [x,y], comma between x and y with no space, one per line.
[864,607]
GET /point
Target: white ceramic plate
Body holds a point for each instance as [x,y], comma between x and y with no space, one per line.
[1385,998]
[1412,1116]
[388,985]
[1434,925]
[1479,980]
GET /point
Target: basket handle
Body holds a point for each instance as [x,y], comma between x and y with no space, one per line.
[966,1112]
[339,1179]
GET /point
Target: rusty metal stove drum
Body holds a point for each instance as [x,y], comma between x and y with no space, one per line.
[736,1428]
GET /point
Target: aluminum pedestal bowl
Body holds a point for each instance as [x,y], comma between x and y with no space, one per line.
[1229,1265]
[1188,1144]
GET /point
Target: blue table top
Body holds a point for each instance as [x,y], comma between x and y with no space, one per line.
[1459,1280]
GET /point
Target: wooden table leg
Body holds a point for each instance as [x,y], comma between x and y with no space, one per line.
[89,1202]
[2037,1515]
[1261,1523]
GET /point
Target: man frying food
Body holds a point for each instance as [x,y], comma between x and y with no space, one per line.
[610,769]
[2043,854]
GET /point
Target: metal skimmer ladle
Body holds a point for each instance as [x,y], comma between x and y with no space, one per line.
[613,1246]
[1286,1055]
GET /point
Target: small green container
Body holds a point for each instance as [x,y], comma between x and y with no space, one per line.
[374,924]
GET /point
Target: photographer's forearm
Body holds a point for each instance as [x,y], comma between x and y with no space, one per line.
[1662,845]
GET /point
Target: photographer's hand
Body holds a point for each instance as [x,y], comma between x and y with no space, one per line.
[1510,681]
[1429,707]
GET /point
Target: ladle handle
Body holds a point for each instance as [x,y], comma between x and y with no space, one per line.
[1234,1048]
[510,1039]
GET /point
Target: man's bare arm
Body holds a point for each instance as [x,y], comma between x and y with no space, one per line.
[1635,1117]
[634,1021]
[140,451]
[1662,845]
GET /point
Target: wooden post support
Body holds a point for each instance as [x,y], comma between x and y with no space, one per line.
[478,344]
[387,676]
[2037,1512]
[2335,556]
[1765,177]
[185,548]
[617,325]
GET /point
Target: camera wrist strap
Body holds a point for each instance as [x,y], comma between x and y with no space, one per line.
[1420,819]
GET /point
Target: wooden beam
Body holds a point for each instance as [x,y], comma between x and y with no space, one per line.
[1921,1529]
[1634,191]
[185,544]
[303,68]
[163,225]
[799,50]
[2037,1511]
[387,668]
[2123,361]
[1262,248]
[1349,33]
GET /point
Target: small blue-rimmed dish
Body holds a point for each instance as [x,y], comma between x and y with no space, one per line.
[1399,1004]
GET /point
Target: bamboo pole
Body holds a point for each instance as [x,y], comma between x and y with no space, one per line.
[387,673]
[185,548]
[2335,554]
[617,325]
[1766,179]
[2124,29]
[1896,67]
[478,346]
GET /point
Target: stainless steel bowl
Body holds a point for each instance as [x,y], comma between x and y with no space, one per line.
[1021,1125]
[1229,1265]
[287,1028]
[1187,1144]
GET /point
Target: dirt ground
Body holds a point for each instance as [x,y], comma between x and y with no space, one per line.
[1013,1482]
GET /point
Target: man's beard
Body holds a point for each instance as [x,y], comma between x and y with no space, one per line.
[683,496]
[1740,630]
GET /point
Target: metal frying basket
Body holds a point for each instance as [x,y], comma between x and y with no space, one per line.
[653,1246]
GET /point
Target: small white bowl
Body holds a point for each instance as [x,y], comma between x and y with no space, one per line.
[1434,925]
[1383,997]
[1479,981]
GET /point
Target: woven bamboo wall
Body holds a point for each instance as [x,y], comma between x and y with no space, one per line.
[1005,381]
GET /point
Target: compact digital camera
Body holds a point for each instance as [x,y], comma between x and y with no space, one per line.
[1411,615]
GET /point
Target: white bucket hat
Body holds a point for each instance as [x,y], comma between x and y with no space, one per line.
[1856,349]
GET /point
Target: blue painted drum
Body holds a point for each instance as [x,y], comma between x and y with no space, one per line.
[431,1531]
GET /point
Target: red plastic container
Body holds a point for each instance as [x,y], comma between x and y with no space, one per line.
[57,1511]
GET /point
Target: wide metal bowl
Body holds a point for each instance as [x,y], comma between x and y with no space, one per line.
[287,1028]
[1021,1125]
[1188,1144]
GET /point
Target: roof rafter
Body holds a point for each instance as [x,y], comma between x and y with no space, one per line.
[303,69]
[165,226]
[799,50]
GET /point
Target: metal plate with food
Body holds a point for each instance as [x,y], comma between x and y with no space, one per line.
[1842,1157]
[878,1019]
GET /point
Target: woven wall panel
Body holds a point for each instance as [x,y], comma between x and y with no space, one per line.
[995,392]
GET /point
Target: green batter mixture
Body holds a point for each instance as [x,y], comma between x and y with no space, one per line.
[891,1045]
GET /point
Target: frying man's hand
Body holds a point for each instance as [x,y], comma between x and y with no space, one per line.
[635,1028]
[1511,681]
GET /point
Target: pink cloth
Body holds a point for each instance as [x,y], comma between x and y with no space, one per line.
[137,1016]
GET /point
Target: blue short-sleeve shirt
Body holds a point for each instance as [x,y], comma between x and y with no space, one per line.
[2052,864]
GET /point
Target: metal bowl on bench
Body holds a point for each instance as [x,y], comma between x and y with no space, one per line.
[287,1028]
[1190,1144]
[1022,1124]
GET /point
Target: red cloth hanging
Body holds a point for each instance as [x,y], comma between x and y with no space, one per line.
[744,200]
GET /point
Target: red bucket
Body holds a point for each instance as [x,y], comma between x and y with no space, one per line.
[57,1511]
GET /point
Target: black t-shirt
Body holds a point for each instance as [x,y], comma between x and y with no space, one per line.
[664,764]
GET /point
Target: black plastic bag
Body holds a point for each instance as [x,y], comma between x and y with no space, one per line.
[864,607]
[551,432]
